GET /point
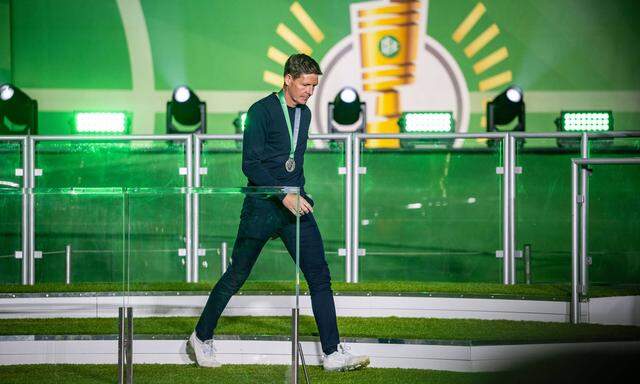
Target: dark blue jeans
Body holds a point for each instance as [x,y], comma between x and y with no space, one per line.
[260,220]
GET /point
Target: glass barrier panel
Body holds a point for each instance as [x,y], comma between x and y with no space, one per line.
[10,162]
[430,210]
[219,218]
[147,163]
[543,210]
[223,161]
[157,216]
[614,147]
[157,239]
[325,187]
[613,226]
[325,177]
[75,321]
[10,212]
[78,229]
[11,257]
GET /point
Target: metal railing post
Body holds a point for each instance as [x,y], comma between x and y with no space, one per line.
[575,200]
[31,265]
[25,210]
[512,210]
[125,345]
[348,148]
[356,211]
[129,345]
[224,261]
[189,257]
[195,246]
[121,346]
[294,346]
[584,185]
[67,254]
[506,207]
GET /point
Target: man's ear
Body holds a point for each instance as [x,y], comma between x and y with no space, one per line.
[288,79]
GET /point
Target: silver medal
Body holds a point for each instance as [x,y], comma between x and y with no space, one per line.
[290,165]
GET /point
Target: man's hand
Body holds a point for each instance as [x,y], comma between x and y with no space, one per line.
[289,202]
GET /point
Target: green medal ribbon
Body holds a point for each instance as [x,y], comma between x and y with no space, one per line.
[290,165]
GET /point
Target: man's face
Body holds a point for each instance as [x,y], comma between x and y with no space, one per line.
[301,88]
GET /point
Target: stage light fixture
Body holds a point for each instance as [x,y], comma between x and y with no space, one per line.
[101,122]
[186,113]
[584,121]
[18,112]
[504,109]
[347,114]
[426,122]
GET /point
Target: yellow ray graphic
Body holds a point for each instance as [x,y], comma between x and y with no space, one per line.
[307,22]
[273,78]
[483,123]
[294,40]
[277,55]
[491,60]
[483,118]
[469,22]
[482,40]
[495,81]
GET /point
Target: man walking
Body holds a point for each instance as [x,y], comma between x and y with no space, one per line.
[275,140]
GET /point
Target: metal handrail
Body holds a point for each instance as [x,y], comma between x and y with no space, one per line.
[337,136]
[110,138]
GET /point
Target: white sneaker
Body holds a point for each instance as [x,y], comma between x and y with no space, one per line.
[341,360]
[204,351]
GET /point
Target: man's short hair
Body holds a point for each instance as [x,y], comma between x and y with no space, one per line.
[301,64]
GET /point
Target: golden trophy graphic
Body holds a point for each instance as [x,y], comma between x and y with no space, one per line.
[388,35]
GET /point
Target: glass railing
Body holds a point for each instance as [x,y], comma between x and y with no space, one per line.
[128,237]
[78,235]
[325,170]
[11,230]
[613,212]
[325,163]
[613,245]
[156,252]
[92,221]
[10,212]
[430,211]
[543,210]
[10,162]
[141,163]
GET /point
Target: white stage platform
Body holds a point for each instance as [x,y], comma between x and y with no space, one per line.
[461,357]
[621,310]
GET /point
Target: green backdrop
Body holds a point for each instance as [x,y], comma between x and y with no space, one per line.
[582,47]
[65,52]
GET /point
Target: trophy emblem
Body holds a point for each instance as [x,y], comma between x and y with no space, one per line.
[387,36]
